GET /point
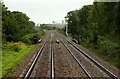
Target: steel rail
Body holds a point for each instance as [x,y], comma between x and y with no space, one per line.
[93,60]
[89,76]
[34,61]
[52,58]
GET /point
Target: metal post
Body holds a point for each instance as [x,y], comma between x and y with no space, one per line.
[66,30]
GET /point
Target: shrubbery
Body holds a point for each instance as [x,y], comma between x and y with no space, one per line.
[41,33]
[40,30]
[106,49]
[13,54]
[28,38]
[15,46]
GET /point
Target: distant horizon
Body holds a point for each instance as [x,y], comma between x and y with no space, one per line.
[42,12]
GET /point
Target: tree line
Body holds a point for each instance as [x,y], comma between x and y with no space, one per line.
[15,25]
[94,20]
[99,26]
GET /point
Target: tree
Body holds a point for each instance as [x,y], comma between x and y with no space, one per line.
[72,22]
[15,25]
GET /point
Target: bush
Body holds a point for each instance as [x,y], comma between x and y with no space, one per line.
[106,49]
[109,48]
[28,38]
[11,59]
[15,46]
[41,33]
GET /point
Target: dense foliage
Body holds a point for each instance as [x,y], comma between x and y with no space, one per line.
[15,25]
[98,24]
[17,36]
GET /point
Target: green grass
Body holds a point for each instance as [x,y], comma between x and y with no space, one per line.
[10,58]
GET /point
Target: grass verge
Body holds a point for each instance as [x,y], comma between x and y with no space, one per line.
[12,58]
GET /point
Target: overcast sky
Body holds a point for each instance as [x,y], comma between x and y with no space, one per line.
[46,11]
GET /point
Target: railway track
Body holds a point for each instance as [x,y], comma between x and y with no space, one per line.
[31,69]
[27,75]
[65,65]
[110,74]
[47,59]
[76,60]
[52,58]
